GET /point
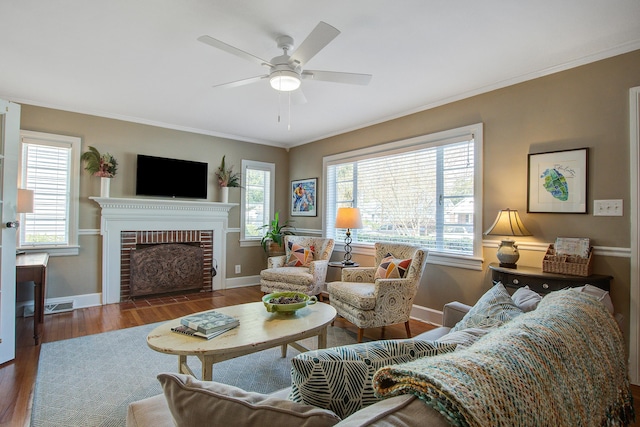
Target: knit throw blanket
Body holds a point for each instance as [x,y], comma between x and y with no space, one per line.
[563,364]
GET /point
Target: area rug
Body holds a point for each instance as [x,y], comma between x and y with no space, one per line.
[90,381]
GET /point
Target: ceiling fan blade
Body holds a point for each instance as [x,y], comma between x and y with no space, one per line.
[233,50]
[321,36]
[242,82]
[337,77]
[297,97]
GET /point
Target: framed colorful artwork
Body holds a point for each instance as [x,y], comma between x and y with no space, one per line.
[304,197]
[557,182]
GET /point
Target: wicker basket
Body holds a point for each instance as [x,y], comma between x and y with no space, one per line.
[567,264]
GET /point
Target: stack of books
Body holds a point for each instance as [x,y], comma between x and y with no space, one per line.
[207,325]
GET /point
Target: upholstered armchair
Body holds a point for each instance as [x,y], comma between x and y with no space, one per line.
[303,268]
[372,297]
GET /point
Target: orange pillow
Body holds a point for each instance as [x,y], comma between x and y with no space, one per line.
[392,268]
[299,256]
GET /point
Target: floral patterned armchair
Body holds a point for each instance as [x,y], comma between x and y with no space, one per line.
[303,268]
[371,297]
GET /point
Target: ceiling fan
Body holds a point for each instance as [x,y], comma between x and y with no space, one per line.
[286,72]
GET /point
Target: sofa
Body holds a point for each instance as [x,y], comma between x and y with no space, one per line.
[520,359]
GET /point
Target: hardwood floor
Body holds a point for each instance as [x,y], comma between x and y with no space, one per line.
[17,378]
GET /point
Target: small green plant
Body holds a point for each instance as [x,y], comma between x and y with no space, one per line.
[275,232]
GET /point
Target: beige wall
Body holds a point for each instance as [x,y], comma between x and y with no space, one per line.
[582,107]
[78,275]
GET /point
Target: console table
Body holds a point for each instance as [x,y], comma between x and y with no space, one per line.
[542,282]
[32,267]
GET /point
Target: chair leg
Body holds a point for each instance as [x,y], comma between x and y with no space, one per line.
[408,328]
[360,334]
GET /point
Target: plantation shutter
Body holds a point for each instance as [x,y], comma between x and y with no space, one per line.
[46,171]
[257,198]
[421,194]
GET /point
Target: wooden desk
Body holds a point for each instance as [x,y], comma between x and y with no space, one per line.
[33,268]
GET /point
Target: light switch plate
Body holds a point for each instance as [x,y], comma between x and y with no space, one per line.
[607,207]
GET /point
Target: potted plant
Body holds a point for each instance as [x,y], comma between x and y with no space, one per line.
[102,165]
[227,178]
[272,241]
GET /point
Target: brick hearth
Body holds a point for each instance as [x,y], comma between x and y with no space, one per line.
[131,239]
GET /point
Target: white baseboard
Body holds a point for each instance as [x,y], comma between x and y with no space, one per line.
[79,301]
[427,315]
[241,282]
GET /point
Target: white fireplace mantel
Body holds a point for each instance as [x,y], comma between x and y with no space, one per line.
[121,214]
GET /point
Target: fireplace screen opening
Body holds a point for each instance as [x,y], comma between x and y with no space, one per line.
[164,268]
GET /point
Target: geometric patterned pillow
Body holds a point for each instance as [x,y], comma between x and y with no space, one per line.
[493,309]
[299,256]
[340,378]
[392,268]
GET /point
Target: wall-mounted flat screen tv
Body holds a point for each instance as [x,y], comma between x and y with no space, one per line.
[159,176]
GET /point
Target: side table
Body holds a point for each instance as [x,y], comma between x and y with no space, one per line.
[542,282]
[340,265]
[32,267]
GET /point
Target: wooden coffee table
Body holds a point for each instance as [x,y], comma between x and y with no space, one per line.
[258,330]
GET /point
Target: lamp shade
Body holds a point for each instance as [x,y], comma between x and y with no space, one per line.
[348,218]
[508,223]
[25,201]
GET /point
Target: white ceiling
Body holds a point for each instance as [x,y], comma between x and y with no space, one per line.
[139,60]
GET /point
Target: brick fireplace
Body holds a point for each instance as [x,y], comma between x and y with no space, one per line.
[155,262]
[153,222]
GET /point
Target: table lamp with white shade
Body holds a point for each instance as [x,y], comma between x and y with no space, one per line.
[508,223]
[348,218]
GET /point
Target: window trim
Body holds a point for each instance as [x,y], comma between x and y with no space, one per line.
[73,247]
[265,166]
[473,262]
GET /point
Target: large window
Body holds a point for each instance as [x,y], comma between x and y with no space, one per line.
[257,198]
[49,165]
[425,191]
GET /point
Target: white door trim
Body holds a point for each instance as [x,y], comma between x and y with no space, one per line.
[634,285]
[9,143]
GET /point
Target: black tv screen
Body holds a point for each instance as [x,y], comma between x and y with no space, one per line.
[159,176]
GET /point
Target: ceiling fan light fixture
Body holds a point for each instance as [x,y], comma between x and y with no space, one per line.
[284,80]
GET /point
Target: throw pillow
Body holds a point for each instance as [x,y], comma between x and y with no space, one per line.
[200,403]
[493,309]
[463,338]
[392,268]
[299,256]
[599,294]
[340,378]
[526,299]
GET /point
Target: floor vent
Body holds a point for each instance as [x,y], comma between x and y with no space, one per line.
[59,307]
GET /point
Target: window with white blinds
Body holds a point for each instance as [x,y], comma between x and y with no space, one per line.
[257,198]
[424,191]
[49,166]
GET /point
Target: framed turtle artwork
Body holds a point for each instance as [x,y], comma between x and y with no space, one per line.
[557,182]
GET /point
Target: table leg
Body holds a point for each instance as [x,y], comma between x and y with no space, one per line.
[283,350]
[207,368]
[38,310]
[322,338]
[41,285]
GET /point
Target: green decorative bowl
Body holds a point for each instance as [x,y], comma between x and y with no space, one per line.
[280,304]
